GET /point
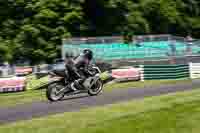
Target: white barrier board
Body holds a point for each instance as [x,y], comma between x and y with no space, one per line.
[194,70]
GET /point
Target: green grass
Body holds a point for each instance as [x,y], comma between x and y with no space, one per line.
[172,113]
[12,99]
[33,82]
[147,83]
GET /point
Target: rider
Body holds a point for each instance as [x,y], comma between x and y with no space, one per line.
[79,66]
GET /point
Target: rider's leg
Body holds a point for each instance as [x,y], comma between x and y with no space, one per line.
[70,72]
[79,82]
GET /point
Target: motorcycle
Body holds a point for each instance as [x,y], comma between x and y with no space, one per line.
[59,86]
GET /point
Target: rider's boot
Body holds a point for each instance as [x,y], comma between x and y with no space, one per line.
[79,84]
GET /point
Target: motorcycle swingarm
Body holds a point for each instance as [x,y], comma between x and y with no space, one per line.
[75,92]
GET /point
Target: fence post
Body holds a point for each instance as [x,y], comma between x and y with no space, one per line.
[14,70]
[190,69]
[35,69]
[172,60]
[141,67]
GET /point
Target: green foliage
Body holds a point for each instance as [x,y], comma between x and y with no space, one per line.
[35,27]
[5,50]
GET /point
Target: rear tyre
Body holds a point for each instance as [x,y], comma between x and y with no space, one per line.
[52,92]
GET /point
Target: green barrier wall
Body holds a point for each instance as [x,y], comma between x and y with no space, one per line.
[165,71]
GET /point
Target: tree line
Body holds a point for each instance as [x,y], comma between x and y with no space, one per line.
[33,29]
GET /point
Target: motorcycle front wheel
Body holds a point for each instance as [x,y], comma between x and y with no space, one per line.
[96,88]
[53,91]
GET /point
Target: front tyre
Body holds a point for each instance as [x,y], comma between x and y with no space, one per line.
[96,88]
[53,91]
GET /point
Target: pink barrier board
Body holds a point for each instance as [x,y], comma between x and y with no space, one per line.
[12,84]
[126,73]
[23,70]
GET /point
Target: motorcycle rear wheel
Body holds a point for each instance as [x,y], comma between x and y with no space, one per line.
[52,92]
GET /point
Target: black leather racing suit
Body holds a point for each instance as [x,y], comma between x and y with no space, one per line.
[78,67]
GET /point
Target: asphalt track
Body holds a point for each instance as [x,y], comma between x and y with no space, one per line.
[40,109]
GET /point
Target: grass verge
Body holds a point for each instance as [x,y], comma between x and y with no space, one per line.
[12,99]
[147,83]
[172,113]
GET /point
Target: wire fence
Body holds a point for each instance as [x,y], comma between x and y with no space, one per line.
[150,46]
